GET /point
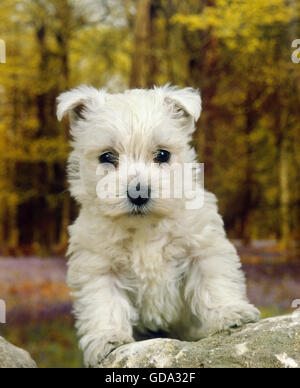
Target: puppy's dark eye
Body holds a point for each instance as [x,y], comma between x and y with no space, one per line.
[162,156]
[108,158]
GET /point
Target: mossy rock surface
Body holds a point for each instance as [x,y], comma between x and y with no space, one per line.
[270,343]
[13,357]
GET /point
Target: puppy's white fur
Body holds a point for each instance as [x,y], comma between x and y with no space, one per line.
[173,270]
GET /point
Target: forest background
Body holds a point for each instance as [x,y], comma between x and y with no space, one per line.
[237,52]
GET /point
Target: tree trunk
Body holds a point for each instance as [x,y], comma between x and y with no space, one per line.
[284,195]
[63,42]
[282,142]
[142,50]
[65,221]
[247,195]
[205,71]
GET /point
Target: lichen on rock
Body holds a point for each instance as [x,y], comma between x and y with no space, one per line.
[12,357]
[270,343]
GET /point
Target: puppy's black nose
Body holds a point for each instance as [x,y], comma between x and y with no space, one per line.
[138,195]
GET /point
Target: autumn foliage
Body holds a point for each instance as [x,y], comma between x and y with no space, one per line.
[238,52]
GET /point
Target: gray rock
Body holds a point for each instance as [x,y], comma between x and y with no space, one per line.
[271,343]
[13,357]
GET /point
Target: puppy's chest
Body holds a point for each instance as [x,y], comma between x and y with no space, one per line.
[152,260]
[155,270]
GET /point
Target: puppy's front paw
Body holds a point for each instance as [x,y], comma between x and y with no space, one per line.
[231,316]
[101,347]
[239,315]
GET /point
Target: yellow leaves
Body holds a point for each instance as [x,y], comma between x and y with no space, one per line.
[239,19]
[35,150]
[98,55]
[192,22]
[8,199]
[49,150]
[253,33]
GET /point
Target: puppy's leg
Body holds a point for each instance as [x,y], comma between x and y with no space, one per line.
[216,291]
[104,318]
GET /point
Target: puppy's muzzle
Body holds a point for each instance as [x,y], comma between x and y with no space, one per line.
[139,195]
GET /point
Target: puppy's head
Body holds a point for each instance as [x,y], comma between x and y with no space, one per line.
[125,145]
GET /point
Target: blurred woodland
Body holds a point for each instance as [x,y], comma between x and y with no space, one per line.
[238,52]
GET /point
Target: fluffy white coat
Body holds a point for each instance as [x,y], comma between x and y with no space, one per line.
[171,271]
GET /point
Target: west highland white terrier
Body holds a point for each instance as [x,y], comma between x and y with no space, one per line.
[141,263]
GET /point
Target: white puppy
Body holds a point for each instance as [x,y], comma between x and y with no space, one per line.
[143,265]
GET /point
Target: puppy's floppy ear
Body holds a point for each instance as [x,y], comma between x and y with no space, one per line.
[77,101]
[186,102]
